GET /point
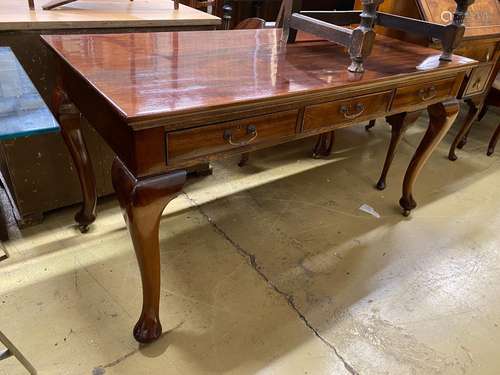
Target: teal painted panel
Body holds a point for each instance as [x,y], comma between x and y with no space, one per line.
[22,110]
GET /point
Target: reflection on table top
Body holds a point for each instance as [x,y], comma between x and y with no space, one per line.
[156,74]
[16,15]
[22,110]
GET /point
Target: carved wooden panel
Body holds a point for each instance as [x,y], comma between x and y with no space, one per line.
[483,17]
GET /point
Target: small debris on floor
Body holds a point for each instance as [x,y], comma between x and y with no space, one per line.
[369,210]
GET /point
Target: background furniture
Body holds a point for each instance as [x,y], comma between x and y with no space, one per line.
[481,42]
[235,11]
[22,113]
[493,99]
[34,190]
[209,6]
[279,94]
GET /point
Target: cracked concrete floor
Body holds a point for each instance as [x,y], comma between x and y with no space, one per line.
[273,269]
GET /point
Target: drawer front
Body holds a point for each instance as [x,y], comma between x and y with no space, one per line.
[478,80]
[340,112]
[423,93]
[206,140]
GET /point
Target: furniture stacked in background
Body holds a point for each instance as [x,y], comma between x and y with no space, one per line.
[481,42]
[33,189]
[233,12]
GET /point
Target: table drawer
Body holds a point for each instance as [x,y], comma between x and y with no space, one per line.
[345,111]
[206,140]
[424,92]
[478,79]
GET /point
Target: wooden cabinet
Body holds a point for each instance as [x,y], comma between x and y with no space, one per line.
[479,79]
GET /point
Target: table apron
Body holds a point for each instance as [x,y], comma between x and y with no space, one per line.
[198,144]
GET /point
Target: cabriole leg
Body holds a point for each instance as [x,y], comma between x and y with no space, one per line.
[441,117]
[370,125]
[142,202]
[494,141]
[461,138]
[399,123]
[245,158]
[324,145]
[69,119]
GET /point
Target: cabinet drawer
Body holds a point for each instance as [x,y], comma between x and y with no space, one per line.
[206,140]
[422,93]
[340,112]
[478,79]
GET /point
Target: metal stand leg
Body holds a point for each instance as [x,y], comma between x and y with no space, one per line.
[13,351]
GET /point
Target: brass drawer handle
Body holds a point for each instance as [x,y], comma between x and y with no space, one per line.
[251,130]
[427,94]
[347,111]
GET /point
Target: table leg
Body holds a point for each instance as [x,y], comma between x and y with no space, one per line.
[494,141]
[441,117]
[142,202]
[399,123]
[460,140]
[245,158]
[200,170]
[69,119]
[370,125]
[324,145]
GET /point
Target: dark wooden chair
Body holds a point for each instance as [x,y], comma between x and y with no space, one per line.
[495,100]
[492,100]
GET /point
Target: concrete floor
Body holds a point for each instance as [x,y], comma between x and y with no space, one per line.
[273,269]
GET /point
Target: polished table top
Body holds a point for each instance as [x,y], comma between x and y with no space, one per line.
[22,111]
[152,75]
[16,15]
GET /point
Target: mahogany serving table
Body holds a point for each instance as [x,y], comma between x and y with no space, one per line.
[165,101]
